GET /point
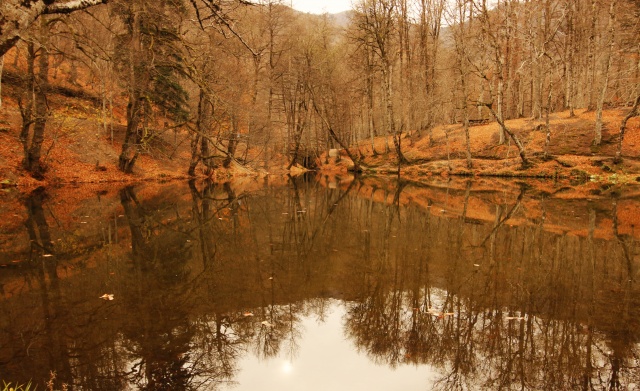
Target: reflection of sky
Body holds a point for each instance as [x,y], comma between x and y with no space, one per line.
[325,360]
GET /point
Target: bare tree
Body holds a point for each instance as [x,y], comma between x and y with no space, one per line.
[623,128]
[376,20]
[17,15]
[510,133]
[597,139]
[459,18]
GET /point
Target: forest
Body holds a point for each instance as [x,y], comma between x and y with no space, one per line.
[232,194]
[202,86]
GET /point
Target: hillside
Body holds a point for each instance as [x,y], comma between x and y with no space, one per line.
[277,87]
[571,155]
[79,151]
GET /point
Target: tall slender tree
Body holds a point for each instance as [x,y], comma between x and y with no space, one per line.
[150,62]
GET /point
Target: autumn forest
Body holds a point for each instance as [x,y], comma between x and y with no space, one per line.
[236,195]
[224,84]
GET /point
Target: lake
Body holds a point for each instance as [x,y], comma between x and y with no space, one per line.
[320,283]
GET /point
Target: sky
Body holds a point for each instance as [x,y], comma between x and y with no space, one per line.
[320,6]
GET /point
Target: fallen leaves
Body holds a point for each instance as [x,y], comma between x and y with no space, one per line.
[107,296]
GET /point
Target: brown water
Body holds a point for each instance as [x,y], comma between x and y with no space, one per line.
[312,287]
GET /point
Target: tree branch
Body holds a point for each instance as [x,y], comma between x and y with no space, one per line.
[17,15]
[71,6]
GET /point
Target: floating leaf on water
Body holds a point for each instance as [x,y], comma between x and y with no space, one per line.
[107,296]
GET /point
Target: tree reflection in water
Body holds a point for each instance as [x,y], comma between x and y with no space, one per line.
[537,311]
[204,275]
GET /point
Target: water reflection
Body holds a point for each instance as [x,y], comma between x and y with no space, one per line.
[472,289]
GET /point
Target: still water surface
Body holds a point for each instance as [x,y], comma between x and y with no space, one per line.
[316,286]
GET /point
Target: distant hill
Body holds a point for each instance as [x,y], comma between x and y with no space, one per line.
[342,19]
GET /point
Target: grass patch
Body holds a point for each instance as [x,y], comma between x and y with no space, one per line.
[17,387]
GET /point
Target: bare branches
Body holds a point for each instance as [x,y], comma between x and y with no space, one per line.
[356,165]
[514,137]
[219,17]
[16,16]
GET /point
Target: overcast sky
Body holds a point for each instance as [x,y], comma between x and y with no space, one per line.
[320,6]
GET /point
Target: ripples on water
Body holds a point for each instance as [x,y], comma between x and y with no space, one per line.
[359,285]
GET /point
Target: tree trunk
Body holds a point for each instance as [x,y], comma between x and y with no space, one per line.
[591,55]
[1,68]
[388,96]
[514,137]
[130,146]
[26,105]
[334,136]
[301,124]
[597,139]
[32,160]
[623,128]
[370,102]
[195,157]
[200,143]
[233,143]
[547,139]
[570,63]
[129,153]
